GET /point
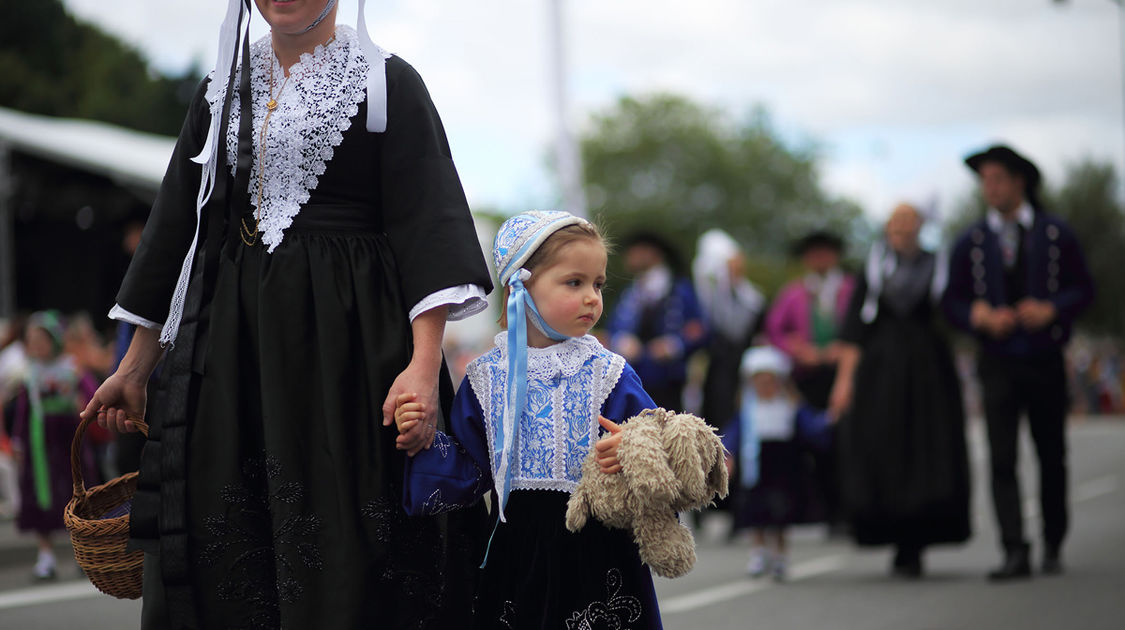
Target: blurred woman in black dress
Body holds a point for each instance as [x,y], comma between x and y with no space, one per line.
[905,475]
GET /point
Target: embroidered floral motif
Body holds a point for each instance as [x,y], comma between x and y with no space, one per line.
[261,558]
[386,515]
[612,614]
[442,443]
[321,95]
[507,617]
[567,384]
[434,505]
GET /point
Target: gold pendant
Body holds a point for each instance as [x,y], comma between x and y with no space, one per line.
[272,104]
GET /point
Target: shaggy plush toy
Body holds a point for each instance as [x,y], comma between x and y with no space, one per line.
[669,463]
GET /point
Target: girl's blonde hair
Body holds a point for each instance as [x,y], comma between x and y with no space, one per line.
[549,251]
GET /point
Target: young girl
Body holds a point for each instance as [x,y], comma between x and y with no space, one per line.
[523,421]
[53,390]
[766,457]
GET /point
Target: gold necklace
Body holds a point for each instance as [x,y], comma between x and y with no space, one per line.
[248,236]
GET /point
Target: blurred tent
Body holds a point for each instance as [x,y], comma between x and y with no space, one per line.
[68,189]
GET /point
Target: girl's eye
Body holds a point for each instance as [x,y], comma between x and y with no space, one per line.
[574,283]
[599,285]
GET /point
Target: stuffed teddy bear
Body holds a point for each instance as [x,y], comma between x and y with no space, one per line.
[669,463]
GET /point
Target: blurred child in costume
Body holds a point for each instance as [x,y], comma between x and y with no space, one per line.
[52,392]
[523,421]
[765,456]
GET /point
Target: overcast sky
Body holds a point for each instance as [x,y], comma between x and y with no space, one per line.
[895,93]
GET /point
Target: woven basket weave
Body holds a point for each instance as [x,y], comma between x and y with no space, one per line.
[99,541]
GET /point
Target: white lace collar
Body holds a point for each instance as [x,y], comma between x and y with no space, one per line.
[315,107]
[565,358]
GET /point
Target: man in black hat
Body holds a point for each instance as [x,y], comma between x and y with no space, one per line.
[657,323]
[1017,281]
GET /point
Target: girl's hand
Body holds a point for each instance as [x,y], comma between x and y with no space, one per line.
[407,412]
[418,381]
[118,402]
[606,448]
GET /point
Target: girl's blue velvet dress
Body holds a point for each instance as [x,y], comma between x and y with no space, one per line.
[538,574]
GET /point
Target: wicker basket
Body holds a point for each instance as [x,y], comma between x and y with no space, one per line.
[98,521]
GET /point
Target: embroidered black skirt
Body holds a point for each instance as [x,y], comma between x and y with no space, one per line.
[294,511]
[539,575]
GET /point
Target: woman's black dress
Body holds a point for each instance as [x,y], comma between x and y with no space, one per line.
[278,504]
[904,462]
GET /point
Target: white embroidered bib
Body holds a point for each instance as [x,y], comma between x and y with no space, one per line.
[567,384]
[315,108]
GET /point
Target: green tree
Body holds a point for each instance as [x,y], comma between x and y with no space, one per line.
[57,66]
[1088,204]
[667,164]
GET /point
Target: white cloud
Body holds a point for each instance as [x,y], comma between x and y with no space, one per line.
[897,92]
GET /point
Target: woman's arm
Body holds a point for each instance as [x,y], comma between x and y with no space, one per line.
[420,377]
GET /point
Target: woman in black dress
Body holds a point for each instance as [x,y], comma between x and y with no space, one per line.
[905,474]
[334,240]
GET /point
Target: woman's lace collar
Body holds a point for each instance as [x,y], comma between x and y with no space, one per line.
[565,358]
[315,106]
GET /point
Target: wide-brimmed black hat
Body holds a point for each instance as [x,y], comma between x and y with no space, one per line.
[1011,160]
[815,239]
[658,241]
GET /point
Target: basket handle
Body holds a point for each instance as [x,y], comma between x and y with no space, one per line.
[76,453]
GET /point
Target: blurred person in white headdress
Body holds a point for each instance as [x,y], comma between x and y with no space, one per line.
[13,362]
[733,308]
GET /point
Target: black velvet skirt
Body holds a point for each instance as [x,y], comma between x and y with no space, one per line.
[293,484]
[540,575]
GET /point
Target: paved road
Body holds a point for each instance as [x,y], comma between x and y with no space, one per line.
[833,585]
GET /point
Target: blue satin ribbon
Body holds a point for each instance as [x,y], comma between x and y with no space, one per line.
[520,305]
[750,448]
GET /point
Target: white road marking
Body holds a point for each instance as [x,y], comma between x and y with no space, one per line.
[714,595]
[1085,491]
[40,595]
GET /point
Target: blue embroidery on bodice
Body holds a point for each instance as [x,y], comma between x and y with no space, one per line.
[567,385]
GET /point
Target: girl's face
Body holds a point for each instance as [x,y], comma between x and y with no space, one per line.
[38,344]
[292,17]
[766,385]
[568,292]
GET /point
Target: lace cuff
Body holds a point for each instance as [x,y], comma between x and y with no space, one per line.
[464,301]
[123,315]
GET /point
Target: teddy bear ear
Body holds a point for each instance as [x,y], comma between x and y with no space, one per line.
[718,481]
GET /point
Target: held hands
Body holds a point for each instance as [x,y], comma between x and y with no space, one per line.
[1000,321]
[118,402]
[606,448]
[1035,314]
[422,387]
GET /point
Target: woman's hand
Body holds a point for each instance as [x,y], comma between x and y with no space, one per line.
[123,396]
[421,384]
[606,448]
[421,379]
[120,400]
